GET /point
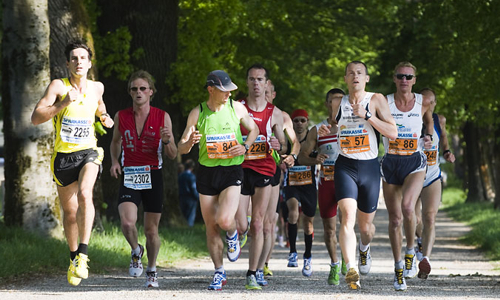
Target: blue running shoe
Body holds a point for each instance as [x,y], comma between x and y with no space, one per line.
[307,269]
[219,280]
[259,275]
[292,260]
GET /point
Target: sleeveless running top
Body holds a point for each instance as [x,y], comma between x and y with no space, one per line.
[433,153]
[258,157]
[74,124]
[146,148]
[220,131]
[327,145]
[409,128]
[357,138]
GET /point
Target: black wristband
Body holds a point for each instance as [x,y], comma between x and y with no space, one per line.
[430,135]
[105,114]
[165,143]
[446,151]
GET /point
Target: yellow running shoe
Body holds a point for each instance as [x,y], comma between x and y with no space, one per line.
[352,279]
[267,271]
[81,266]
[72,278]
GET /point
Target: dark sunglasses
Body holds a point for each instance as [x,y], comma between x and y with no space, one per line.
[299,120]
[407,76]
[142,88]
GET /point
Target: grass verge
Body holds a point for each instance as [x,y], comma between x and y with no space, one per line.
[481,217]
[31,254]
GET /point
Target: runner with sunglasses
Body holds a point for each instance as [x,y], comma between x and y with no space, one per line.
[142,135]
[300,187]
[403,167]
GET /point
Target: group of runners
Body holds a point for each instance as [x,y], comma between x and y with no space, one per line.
[247,148]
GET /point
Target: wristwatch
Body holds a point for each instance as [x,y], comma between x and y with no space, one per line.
[294,156]
[430,135]
[368,115]
[247,147]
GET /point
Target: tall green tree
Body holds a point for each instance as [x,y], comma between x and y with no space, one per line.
[304,44]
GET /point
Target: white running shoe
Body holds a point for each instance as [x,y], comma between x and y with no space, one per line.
[233,248]
[410,269]
[424,268]
[365,262]
[399,280]
[135,269]
[281,241]
[151,279]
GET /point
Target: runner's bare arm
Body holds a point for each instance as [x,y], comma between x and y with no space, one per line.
[167,138]
[382,119]
[288,127]
[191,135]
[307,147]
[289,160]
[49,105]
[101,111]
[428,121]
[447,154]
[115,149]
[249,124]
[277,125]
[335,105]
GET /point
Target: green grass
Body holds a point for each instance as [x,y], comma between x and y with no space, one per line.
[481,217]
[29,253]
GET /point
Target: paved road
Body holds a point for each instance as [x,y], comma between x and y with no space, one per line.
[458,272]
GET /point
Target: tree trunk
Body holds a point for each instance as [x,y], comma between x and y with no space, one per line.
[69,21]
[496,169]
[485,168]
[457,149]
[473,180]
[30,194]
[154,29]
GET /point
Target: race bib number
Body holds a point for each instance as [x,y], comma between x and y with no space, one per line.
[75,131]
[218,145]
[299,175]
[403,146]
[431,157]
[258,150]
[355,143]
[328,170]
[137,178]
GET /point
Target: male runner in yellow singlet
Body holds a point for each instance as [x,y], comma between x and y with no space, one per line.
[72,104]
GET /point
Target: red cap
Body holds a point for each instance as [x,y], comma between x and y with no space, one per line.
[299,113]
